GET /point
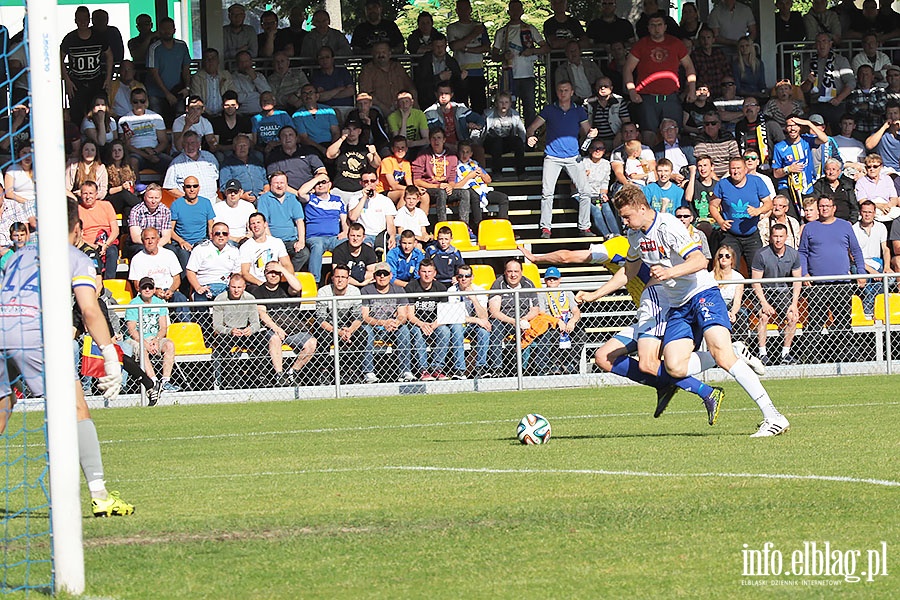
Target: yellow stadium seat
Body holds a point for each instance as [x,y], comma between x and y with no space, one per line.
[530,271]
[893,308]
[483,275]
[460,240]
[496,234]
[188,339]
[308,282]
[858,319]
[119,290]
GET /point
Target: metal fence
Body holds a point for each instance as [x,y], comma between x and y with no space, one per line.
[791,56]
[843,329]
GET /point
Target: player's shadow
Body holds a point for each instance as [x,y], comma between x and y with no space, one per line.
[601,436]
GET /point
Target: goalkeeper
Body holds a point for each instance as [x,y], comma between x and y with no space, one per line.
[21,348]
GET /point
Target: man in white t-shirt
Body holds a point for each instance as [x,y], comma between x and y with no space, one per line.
[193,120]
[162,265]
[211,264]
[144,133]
[234,211]
[872,237]
[518,45]
[851,150]
[630,132]
[375,212]
[260,249]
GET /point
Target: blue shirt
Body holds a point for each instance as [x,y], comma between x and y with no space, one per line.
[251,174]
[404,268]
[800,151]
[317,126]
[655,195]
[736,201]
[341,77]
[825,249]
[445,261]
[192,220]
[267,127]
[323,217]
[281,215]
[168,63]
[889,149]
[563,128]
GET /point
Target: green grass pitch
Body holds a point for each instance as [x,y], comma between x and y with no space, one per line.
[432,496]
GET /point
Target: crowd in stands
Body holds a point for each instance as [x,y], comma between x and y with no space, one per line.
[251,177]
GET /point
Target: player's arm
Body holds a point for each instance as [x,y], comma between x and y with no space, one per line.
[557,257]
[616,282]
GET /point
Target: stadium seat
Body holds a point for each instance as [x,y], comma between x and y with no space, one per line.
[461,240]
[893,308]
[858,319]
[496,234]
[308,282]
[188,339]
[168,198]
[530,271]
[119,290]
[483,275]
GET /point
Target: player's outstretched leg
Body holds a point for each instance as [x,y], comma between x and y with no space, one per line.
[711,396]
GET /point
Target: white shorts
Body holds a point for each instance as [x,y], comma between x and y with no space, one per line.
[651,319]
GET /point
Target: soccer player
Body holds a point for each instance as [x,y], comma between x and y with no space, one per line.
[20,338]
[660,242]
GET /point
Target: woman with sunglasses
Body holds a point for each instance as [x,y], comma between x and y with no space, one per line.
[877,188]
[597,170]
[733,293]
[686,215]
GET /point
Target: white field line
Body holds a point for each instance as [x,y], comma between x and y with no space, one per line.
[249,434]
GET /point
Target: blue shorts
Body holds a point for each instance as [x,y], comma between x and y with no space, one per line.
[706,309]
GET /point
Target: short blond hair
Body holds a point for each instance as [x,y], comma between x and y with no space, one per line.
[630,195]
[633,148]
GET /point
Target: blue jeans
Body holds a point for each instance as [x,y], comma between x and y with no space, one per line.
[499,332]
[317,247]
[400,339]
[868,293]
[480,338]
[604,219]
[440,343]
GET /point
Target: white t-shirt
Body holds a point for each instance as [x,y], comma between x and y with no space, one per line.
[162,267]
[236,218]
[110,127]
[213,265]
[260,253]
[203,126]
[142,128]
[510,38]
[850,149]
[871,244]
[728,291]
[414,221]
[374,215]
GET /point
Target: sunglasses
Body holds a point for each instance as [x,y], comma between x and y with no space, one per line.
[872,166]
[136,101]
[190,186]
[727,83]
[272,273]
[724,256]
[464,276]
[220,233]
[598,149]
[147,287]
[710,123]
[370,181]
[684,216]
[382,273]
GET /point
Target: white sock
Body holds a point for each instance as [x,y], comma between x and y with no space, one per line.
[748,380]
[762,351]
[699,362]
[785,351]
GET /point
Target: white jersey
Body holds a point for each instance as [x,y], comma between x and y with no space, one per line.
[667,243]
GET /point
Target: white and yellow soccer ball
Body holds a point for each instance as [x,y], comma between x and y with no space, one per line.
[533,429]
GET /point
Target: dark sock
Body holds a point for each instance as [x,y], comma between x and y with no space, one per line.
[688,384]
[629,368]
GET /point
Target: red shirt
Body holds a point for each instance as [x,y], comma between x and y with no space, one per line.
[450,125]
[657,70]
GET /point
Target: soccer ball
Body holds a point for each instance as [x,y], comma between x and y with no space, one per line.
[533,429]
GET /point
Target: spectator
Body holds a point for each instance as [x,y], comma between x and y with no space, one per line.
[241,166]
[435,171]
[690,23]
[121,179]
[260,250]
[779,302]
[151,213]
[236,329]
[249,84]
[829,80]
[681,156]
[284,325]
[607,113]
[193,162]
[752,158]
[286,82]
[724,270]
[556,351]
[597,173]
[120,89]
[385,319]
[685,215]
[384,78]
[422,39]
[630,132]
[730,21]
[192,219]
[90,64]
[893,83]
[826,247]
[618,54]
[265,40]
[872,238]
[334,84]
[349,320]
[749,71]
[609,27]
[477,324]
[326,220]
[783,105]
[193,120]
[469,41]
[582,73]
[851,150]
[229,124]
[663,195]
[409,122]
[820,19]
[792,159]
[879,189]
[291,38]
[435,68]
[162,266]
[234,212]
[505,132]
[375,212]
[710,60]
[779,215]
[789,26]
[296,161]
[209,83]
[409,216]
[316,124]
[840,189]
[658,81]
[268,123]
[518,45]
[872,56]
[471,176]
[404,259]
[719,145]
[169,75]
[699,192]
[502,310]
[154,325]
[375,30]
[139,44]
[352,157]
[395,173]
[737,203]
[566,123]
[755,133]
[458,121]
[100,228]
[886,139]
[867,102]
[446,258]
[98,125]
[144,133]
[359,257]
[19,234]
[322,35]
[728,105]
[88,168]
[284,213]
[211,264]
[237,36]
[425,326]
[375,127]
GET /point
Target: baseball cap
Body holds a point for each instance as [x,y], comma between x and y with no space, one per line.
[382,266]
[364,96]
[890,68]
[551,273]
[233,184]
[145,281]
[817,119]
[354,123]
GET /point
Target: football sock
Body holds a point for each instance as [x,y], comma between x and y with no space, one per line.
[785,351]
[629,368]
[699,362]
[688,384]
[762,351]
[89,456]
[749,380]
